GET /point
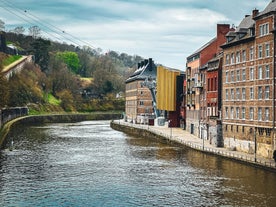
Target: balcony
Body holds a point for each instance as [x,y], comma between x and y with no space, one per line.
[198,85]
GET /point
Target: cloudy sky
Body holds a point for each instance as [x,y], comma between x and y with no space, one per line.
[166,30]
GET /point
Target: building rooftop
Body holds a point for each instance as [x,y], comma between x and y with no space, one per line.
[145,69]
[271,7]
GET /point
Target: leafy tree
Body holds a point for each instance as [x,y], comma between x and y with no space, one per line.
[71,59]
[40,48]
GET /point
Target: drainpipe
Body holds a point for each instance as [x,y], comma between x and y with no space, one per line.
[273,88]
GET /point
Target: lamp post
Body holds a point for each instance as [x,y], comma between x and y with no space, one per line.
[170,128]
[255,147]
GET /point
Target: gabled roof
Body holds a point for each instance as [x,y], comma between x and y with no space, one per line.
[146,68]
[203,47]
[246,23]
[242,32]
[271,7]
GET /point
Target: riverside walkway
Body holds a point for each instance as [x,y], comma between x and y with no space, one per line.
[183,137]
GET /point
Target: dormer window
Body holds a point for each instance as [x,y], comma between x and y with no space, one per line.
[264,29]
[230,38]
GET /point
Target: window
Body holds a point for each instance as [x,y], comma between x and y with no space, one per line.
[232,113]
[264,29]
[251,113]
[243,113]
[226,95]
[251,54]
[267,50]
[232,94]
[251,73]
[232,58]
[243,94]
[226,112]
[243,55]
[237,113]
[226,77]
[251,93]
[266,114]
[260,72]
[238,75]
[267,92]
[141,103]
[243,75]
[260,52]
[238,57]
[267,71]
[232,76]
[227,59]
[260,114]
[260,92]
[238,94]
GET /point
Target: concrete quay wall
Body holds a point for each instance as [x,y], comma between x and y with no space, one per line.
[182,137]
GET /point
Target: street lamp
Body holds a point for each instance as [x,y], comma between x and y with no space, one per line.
[169,122]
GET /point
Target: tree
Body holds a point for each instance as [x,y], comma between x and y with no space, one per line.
[19,30]
[2,25]
[40,48]
[71,59]
[34,31]
[4,91]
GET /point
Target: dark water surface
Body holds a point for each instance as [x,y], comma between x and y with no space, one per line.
[89,164]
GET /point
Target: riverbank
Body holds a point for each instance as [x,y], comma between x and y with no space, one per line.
[183,137]
[53,118]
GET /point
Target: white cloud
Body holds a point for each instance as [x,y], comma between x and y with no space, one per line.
[167,31]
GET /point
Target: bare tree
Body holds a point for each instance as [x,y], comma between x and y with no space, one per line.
[2,25]
[19,30]
[34,31]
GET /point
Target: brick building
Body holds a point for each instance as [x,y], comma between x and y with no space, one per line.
[139,102]
[213,89]
[248,79]
[196,106]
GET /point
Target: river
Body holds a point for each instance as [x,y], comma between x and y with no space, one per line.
[90,164]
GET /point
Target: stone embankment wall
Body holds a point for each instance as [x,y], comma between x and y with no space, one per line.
[58,118]
[241,157]
[8,114]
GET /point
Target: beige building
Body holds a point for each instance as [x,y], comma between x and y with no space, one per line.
[139,101]
[248,80]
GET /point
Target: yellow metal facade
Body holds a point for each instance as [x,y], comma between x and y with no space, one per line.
[166,88]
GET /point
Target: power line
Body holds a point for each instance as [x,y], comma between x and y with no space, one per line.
[26,16]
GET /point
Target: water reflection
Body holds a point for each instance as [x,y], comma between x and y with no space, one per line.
[89,164]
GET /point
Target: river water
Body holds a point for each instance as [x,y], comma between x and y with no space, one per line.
[89,164]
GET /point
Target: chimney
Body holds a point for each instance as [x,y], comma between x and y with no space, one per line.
[141,63]
[150,64]
[255,13]
[146,62]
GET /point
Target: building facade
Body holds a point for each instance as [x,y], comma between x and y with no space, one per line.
[248,77]
[213,100]
[169,94]
[139,101]
[196,68]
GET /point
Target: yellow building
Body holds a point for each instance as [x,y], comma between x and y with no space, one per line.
[169,90]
